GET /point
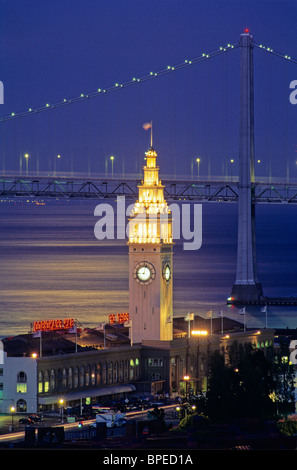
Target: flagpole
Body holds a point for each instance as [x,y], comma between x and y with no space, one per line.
[75,339]
[40,353]
[211,322]
[151,134]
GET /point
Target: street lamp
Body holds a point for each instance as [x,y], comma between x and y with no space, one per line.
[186,379]
[198,162]
[12,410]
[58,157]
[112,159]
[27,162]
[231,161]
[61,401]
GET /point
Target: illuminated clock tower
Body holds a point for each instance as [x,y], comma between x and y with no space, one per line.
[150,259]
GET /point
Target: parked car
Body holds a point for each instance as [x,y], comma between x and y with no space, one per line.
[36,418]
[26,420]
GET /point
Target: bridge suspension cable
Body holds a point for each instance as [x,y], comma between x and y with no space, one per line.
[118,86]
[278,54]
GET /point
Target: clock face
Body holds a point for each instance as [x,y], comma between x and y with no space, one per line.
[166,272]
[144,273]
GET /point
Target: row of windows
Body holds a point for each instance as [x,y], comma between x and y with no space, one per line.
[88,375]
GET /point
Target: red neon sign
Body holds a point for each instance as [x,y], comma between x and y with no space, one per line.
[118,318]
[52,325]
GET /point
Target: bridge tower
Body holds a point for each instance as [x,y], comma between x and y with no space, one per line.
[247,286]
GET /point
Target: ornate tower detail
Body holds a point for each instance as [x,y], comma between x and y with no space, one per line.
[150,259]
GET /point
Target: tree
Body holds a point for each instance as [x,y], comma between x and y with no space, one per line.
[243,383]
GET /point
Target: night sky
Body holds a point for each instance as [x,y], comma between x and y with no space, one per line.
[52,50]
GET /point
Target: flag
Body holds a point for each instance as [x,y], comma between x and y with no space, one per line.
[73,329]
[37,334]
[264,309]
[189,317]
[209,314]
[242,311]
[101,326]
[220,314]
[128,324]
[147,125]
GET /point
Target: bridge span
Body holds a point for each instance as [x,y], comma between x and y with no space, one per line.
[96,188]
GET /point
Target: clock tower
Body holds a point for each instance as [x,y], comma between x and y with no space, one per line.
[150,259]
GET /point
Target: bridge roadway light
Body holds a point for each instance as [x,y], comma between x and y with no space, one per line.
[55,166]
[112,159]
[27,162]
[198,162]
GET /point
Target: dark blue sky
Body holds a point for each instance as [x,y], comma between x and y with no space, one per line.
[51,50]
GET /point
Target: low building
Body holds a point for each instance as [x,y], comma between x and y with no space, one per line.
[91,367]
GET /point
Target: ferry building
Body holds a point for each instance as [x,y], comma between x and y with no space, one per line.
[153,353]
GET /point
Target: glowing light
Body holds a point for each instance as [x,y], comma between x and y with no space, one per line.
[246,30]
[199,332]
[110,89]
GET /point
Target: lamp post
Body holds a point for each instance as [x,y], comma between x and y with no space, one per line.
[61,401]
[231,161]
[27,162]
[198,163]
[55,164]
[186,379]
[198,334]
[12,410]
[112,159]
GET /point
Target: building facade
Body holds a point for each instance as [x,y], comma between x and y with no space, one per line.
[177,367]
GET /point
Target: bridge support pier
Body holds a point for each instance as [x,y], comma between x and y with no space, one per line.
[247,286]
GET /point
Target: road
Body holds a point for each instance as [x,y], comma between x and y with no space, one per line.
[18,433]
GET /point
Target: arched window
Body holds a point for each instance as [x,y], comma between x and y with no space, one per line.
[99,374]
[104,373]
[52,380]
[46,381]
[93,375]
[21,382]
[109,372]
[82,376]
[40,381]
[21,406]
[126,371]
[132,364]
[87,381]
[115,372]
[64,378]
[121,371]
[76,377]
[70,377]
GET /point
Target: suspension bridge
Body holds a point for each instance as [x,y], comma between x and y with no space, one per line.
[246,190]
